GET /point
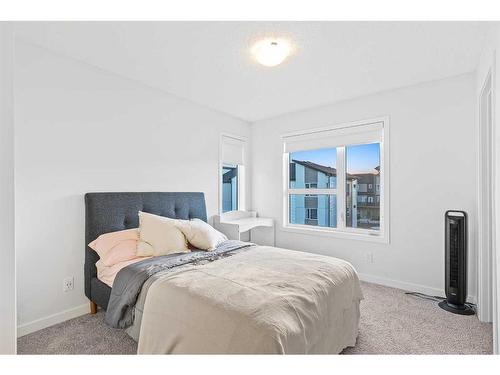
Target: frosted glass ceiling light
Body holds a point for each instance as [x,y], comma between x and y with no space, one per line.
[271,51]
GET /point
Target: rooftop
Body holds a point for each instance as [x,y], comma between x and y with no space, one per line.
[330,171]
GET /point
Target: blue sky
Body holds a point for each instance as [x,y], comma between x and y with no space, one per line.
[360,158]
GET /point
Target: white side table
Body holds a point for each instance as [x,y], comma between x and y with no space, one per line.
[234,223]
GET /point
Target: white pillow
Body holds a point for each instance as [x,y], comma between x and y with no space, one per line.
[159,235]
[200,234]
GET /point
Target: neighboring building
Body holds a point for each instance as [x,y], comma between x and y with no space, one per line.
[313,209]
[229,188]
[368,198]
[362,196]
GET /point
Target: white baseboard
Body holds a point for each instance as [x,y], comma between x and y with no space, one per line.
[62,316]
[410,287]
[38,324]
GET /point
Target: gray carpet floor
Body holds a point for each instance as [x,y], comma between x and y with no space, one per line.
[391,323]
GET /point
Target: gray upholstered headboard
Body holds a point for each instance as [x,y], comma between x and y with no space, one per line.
[110,212]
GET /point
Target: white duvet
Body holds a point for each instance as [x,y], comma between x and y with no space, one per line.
[262,300]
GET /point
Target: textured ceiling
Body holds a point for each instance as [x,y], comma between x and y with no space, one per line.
[209,62]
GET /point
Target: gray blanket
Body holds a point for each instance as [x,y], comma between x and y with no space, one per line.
[129,281]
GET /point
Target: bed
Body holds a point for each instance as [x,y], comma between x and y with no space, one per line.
[239,298]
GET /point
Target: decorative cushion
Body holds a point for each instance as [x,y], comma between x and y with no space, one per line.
[200,234]
[159,235]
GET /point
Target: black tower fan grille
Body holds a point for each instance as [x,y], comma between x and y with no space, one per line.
[455,256]
[454,250]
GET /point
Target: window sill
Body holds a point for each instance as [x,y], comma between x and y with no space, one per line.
[336,233]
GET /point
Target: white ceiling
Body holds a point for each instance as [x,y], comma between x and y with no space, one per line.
[209,62]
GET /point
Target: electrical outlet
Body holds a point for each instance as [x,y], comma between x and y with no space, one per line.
[369,257]
[68,284]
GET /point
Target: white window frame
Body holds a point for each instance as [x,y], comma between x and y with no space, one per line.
[241,171]
[342,231]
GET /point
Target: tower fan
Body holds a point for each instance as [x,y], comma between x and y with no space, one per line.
[455,258]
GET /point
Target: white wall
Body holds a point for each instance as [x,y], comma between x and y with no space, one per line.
[7,254]
[432,169]
[490,58]
[81,129]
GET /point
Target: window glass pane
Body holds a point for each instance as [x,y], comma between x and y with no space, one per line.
[229,188]
[314,169]
[313,209]
[363,186]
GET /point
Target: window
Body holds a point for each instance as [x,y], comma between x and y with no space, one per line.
[335,180]
[231,173]
[312,213]
[311,185]
[229,188]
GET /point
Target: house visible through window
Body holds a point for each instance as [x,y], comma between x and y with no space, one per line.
[338,188]
[229,188]
[363,164]
[308,207]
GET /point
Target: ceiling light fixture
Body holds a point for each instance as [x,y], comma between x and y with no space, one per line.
[271,51]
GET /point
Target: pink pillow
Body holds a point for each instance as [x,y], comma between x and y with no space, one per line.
[116,247]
